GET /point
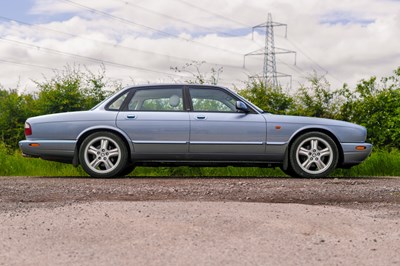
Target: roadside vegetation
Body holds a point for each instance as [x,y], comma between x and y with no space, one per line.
[372,103]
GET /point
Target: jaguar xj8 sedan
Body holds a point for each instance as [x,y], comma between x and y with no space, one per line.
[195,125]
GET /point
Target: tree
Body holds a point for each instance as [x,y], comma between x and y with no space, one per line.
[69,90]
[271,100]
[72,90]
[377,107]
[14,109]
[316,99]
[199,77]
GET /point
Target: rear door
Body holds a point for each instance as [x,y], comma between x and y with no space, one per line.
[157,123]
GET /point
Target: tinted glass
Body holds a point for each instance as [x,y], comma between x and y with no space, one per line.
[212,100]
[156,100]
[117,103]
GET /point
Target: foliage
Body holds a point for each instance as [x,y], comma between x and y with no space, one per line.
[381,163]
[377,107]
[316,99]
[14,109]
[197,76]
[271,100]
[69,90]
[372,103]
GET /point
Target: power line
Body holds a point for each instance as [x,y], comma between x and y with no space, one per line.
[106,62]
[295,67]
[209,30]
[212,13]
[270,73]
[126,21]
[312,60]
[25,64]
[162,32]
[112,44]
[224,18]
[243,24]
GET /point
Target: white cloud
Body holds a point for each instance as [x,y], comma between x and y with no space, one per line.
[350,39]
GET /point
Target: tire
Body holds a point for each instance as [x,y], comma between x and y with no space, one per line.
[313,155]
[289,171]
[103,155]
[128,169]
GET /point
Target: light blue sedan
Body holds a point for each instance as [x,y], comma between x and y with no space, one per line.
[195,125]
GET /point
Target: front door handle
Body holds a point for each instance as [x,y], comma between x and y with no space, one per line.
[201,117]
[131,116]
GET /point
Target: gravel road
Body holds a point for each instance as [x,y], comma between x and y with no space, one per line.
[199,221]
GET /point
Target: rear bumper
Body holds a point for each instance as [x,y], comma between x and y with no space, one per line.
[53,150]
[352,156]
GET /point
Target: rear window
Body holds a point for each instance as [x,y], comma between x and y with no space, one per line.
[117,103]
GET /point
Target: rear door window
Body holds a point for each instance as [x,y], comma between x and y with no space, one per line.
[150,99]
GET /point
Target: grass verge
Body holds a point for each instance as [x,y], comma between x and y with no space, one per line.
[380,163]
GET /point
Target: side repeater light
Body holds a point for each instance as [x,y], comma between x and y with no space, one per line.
[360,148]
[34,145]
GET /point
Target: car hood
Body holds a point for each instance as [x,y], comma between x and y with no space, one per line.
[308,120]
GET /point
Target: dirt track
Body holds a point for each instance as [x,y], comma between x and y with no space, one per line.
[207,221]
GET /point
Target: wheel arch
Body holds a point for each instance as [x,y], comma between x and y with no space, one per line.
[314,129]
[81,137]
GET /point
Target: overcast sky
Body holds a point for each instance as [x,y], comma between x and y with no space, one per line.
[138,41]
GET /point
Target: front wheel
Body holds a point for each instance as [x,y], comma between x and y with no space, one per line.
[128,169]
[313,155]
[103,154]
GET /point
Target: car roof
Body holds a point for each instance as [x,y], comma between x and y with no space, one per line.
[166,85]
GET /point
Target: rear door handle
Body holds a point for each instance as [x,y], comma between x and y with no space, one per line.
[200,117]
[131,116]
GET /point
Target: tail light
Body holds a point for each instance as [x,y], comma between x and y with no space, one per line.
[28,129]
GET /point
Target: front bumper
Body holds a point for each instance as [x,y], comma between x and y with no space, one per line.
[353,156]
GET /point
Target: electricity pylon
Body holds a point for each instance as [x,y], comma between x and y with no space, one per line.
[270,74]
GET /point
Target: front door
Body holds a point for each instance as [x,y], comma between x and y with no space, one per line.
[219,132]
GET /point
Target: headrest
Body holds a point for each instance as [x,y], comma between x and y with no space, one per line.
[174,100]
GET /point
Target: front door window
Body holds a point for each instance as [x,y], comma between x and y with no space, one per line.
[211,100]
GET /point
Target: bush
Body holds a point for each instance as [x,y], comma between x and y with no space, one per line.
[72,90]
[271,100]
[373,104]
[377,107]
[68,90]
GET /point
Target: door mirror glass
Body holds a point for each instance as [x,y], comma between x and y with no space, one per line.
[241,106]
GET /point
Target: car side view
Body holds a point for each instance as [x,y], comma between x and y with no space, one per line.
[195,125]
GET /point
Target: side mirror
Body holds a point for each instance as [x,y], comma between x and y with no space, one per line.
[241,106]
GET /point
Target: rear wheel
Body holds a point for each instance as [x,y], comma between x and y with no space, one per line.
[313,155]
[288,171]
[103,154]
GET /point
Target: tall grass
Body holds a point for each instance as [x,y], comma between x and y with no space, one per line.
[16,165]
[380,163]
